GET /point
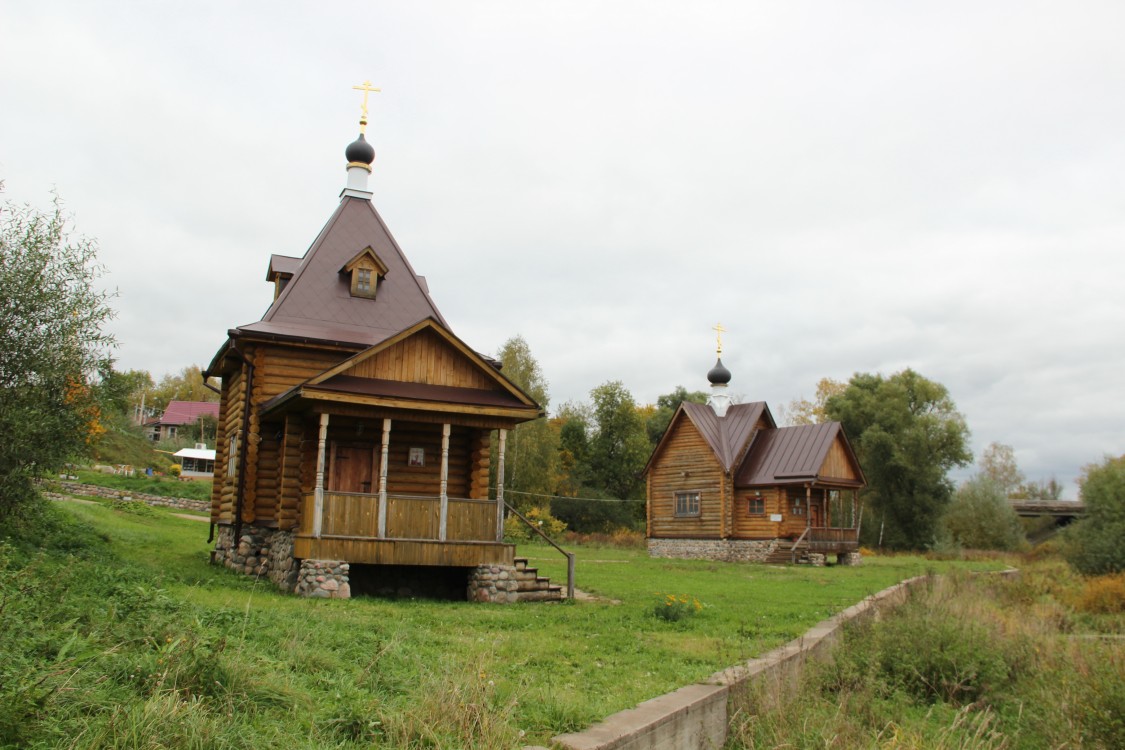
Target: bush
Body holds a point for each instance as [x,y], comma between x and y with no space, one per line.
[517,530]
[597,516]
[1103,595]
[980,517]
[1093,544]
[675,608]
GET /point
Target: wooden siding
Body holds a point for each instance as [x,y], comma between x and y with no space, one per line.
[837,464]
[400,552]
[686,452]
[758,525]
[282,367]
[423,358]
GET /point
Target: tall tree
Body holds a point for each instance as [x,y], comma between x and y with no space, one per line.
[998,463]
[185,385]
[572,423]
[666,405]
[52,349]
[980,517]
[1043,491]
[802,411]
[908,434]
[619,445]
[532,450]
[1093,544]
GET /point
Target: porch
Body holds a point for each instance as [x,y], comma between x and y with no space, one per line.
[400,529]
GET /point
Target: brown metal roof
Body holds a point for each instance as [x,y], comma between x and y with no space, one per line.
[726,435]
[317,302]
[282,265]
[789,455]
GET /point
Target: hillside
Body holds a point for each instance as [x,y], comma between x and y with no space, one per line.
[119,634]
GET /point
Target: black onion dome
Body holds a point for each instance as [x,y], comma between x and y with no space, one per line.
[360,151]
[718,375]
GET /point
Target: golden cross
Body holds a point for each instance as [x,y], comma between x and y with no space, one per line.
[718,329]
[366,88]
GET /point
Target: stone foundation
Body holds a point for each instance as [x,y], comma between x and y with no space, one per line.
[816,559]
[324,579]
[261,552]
[493,583]
[849,558]
[725,550]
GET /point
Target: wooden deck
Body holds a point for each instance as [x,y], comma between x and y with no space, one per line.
[349,531]
[403,551]
[828,540]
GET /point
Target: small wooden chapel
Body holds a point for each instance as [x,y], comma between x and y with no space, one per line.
[726,483]
[356,430]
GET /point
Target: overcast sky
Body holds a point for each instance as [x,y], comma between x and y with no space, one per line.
[847,187]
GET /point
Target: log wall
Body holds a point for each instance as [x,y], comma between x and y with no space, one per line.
[686,464]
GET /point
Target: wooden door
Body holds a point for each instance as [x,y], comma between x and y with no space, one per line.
[351,467]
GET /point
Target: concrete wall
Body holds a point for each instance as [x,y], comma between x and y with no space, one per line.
[696,717]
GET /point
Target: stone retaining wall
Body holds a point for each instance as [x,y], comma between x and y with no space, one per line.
[91,490]
[725,550]
[267,553]
[494,583]
[324,579]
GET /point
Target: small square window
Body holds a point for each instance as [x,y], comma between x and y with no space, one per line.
[687,503]
[363,280]
[757,506]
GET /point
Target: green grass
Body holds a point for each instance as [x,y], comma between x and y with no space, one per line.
[969,663]
[127,444]
[122,635]
[196,489]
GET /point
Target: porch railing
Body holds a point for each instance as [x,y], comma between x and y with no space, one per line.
[832,539]
[356,515]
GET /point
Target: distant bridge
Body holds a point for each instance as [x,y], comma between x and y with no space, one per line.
[1064,511]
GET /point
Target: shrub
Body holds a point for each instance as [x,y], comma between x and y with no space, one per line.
[1093,544]
[596,516]
[1103,595]
[175,470]
[980,517]
[675,608]
[516,529]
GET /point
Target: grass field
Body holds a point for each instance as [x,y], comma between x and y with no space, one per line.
[972,663]
[119,634]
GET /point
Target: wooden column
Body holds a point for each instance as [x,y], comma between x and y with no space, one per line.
[383,478]
[443,521]
[808,505]
[500,485]
[318,506]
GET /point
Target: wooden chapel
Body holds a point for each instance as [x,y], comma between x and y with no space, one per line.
[355,429]
[726,483]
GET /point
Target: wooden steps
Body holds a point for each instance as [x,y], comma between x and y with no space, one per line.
[534,587]
[783,555]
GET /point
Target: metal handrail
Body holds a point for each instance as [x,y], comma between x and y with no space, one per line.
[569,555]
[793,549]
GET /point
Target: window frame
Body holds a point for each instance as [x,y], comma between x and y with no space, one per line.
[693,503]
[756,506]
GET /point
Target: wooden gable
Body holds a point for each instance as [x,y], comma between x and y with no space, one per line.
[426,353]
[685,464]
[840,462]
